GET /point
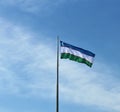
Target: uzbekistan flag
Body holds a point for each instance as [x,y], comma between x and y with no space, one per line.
[76,54]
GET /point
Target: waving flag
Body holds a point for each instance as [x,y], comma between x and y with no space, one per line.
[76,54]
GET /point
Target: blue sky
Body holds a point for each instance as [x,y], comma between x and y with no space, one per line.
[28,31]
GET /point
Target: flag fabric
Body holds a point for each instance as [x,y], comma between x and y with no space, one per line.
[76,54]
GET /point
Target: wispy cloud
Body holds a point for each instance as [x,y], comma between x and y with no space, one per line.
[19,63]
[90,87]
[34,6]
[29,68]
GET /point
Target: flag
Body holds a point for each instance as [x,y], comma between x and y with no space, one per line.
[76,54]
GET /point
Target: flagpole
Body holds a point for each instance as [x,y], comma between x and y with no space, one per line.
[57,84]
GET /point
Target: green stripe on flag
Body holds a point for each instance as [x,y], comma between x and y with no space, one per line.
[75,58]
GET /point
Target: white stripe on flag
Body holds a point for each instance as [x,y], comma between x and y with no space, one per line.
[76,53]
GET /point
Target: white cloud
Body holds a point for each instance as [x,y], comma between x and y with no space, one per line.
[34,6]
[19,63]
[28,68]
[89,87]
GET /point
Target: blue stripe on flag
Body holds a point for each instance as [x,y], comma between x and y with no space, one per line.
[63,44]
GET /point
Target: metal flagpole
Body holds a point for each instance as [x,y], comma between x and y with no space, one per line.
[57,84]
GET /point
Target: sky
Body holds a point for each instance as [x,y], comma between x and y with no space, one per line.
[28,35]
